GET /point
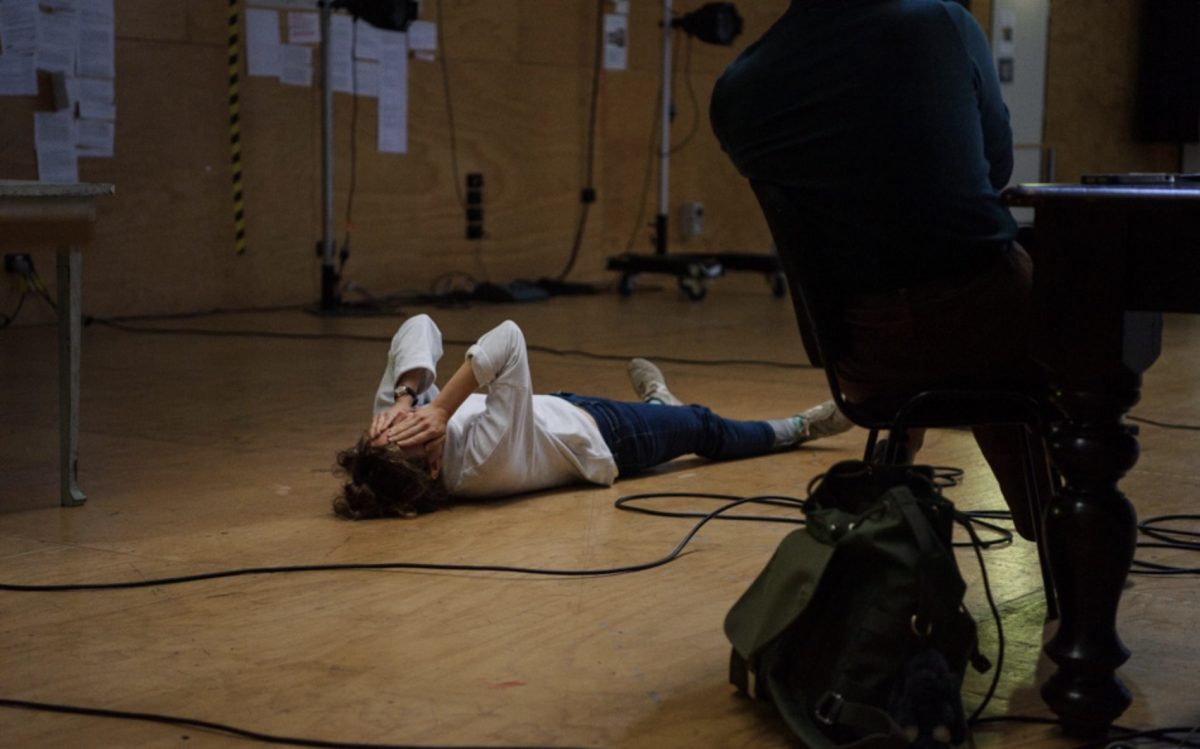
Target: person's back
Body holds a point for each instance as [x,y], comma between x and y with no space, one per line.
[884,119]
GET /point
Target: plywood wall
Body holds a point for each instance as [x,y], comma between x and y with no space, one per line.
[520,76]
[1091,89]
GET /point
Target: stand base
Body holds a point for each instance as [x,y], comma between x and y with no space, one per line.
[693,270]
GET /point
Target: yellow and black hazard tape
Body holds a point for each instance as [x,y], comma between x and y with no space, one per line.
[235,128]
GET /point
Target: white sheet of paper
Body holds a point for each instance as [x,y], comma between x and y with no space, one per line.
[366,41]
[96,110]
[57,39]
[297,65]
[262,43]
[366,78]
[616,41]
[18,26]
[303,28]
[97,90]
[393,93]
[18,76]
[1005,43]
[422,36]
[95,138]
[96,54]
[54,138]
[342,52]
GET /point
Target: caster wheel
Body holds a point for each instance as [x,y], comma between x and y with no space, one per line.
[693,288]
[626,284]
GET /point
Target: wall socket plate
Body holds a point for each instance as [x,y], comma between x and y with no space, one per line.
[691,219]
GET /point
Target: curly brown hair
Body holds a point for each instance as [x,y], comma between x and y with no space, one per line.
[382,483]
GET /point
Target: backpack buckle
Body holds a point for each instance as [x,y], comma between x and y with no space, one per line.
[828,708]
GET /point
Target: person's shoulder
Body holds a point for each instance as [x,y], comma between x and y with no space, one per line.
[956,12]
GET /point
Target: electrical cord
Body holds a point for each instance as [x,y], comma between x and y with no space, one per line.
[647,175]
[216,727]
[30,281]
[6,320]
[442,567]
[1163,424]
[117,324]
[624,503]
[588,194]
[445,66]
[695,100]
[655,148]
[978,547]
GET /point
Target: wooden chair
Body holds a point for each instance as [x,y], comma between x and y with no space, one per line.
[953,405]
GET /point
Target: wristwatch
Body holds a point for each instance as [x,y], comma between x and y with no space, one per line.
[406,390]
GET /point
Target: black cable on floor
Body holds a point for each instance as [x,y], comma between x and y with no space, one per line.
[208,332]
[206,725]
[446,567]
[1163,424]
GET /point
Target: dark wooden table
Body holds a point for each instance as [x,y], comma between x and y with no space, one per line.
[1108,261]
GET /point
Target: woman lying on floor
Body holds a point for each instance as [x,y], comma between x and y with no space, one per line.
[425,446]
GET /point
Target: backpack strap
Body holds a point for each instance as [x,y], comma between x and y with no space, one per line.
[875,727]
[927,546]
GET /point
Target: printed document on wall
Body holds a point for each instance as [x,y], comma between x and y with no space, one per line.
[303,28]
[96,51]
[393,93]
[55,137]
[18,27]
[95,138]
[18,76]
[263,54]
[296,68]
[57,38]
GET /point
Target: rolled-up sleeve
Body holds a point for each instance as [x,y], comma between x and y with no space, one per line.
[501,365]
[417,345]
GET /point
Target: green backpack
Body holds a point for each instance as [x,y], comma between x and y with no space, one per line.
[856,628]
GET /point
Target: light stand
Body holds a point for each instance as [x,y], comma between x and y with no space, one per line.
[715,23]
[392,15]
[331,299]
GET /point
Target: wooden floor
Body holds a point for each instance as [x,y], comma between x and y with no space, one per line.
[206,453]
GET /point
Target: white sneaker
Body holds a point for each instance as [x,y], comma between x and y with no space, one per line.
[649,384]
[823,420]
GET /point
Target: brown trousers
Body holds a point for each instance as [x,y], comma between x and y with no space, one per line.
[971,332]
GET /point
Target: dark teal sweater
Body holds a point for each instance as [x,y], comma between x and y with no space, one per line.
[883,119]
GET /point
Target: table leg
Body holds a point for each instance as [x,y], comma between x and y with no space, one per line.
[70,269]
[1091,531]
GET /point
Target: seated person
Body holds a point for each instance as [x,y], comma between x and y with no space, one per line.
[882,121]
[427,445]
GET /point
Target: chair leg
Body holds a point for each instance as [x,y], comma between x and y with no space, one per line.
[869,452]
[1033,490]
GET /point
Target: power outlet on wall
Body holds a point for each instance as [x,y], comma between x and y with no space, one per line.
[691,220]
[475,206]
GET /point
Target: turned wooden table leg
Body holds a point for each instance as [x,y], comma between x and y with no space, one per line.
[1091,530]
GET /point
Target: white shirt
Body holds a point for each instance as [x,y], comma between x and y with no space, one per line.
[508,441]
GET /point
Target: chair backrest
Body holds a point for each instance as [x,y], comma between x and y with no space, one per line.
[815,300]
[817,307]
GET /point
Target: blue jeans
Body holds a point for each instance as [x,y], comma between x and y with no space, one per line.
[642,435]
